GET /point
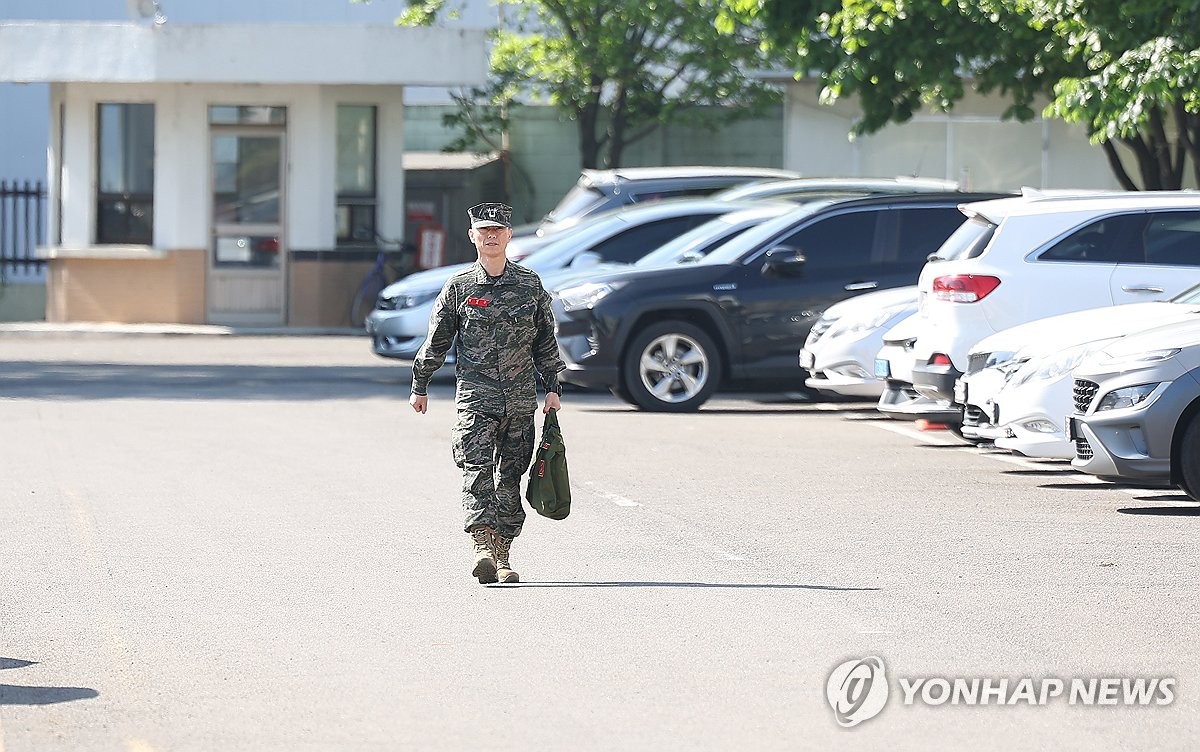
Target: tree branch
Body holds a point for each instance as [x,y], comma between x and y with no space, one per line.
[1114,163]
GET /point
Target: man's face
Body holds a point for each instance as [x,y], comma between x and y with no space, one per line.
[491,242]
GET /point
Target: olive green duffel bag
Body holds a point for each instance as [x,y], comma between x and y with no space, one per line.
[549,489]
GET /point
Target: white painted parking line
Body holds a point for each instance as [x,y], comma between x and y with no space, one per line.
[693,540]
[617,499]
[1012,459]
[913,433]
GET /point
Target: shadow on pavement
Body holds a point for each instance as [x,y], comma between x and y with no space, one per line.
[72,380]
[1162,511]
[798,408]
[13,694]
[1048,471]
[738,585]
[1097,485]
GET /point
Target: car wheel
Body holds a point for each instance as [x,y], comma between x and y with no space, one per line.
[1189,459]
[621,393]
[672,366]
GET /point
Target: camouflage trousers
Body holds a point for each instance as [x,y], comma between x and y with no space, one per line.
[494,453]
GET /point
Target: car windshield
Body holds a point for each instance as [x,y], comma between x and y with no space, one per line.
[558,253]
[577,202]
[698,239]
[1191,296]
[734,249]
[967,242]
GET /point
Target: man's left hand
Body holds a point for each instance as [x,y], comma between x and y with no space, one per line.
[552,403]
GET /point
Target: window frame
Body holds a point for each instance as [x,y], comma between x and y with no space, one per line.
[351,203]
[102,232]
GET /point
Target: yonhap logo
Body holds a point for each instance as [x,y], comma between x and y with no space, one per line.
[857,690]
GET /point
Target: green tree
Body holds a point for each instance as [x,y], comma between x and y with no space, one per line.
[1125,70]
[619,69]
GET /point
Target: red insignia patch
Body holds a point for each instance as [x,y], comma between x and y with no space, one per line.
[478,302]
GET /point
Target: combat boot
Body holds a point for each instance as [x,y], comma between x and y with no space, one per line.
[504,572]
[485,559]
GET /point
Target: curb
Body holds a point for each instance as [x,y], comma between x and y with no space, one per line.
[44,329]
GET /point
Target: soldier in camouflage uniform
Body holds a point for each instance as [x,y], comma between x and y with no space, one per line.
[501,315]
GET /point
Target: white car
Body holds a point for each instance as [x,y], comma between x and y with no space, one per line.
[894,365]
[1022,403]
[841,347]
[1020,259]
[400,321]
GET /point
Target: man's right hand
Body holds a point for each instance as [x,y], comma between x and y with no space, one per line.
[419,402]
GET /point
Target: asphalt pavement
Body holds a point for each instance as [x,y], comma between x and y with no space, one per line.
[253,543]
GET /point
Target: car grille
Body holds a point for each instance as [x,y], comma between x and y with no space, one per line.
[1083,450]
[972,415]
[1085,392]
[976,362]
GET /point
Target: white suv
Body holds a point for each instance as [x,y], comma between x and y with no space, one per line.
[1020,259]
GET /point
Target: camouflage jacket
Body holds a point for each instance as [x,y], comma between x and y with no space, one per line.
[505,331]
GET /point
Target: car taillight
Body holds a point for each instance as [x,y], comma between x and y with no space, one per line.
[940,359]
[964,288]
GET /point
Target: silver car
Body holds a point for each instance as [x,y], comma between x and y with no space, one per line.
[1137,408]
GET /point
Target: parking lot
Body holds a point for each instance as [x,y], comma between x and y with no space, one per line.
[253,543]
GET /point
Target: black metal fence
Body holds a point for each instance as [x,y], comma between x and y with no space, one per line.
[22,225]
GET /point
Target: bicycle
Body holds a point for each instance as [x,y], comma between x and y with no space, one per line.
[395,255]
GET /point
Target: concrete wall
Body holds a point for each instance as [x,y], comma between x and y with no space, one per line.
[321,291]
[971,145]
[141,290]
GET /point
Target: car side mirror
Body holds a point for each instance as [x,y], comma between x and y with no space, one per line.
[783,261]
[586,260]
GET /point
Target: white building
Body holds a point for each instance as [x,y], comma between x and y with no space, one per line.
[224,173]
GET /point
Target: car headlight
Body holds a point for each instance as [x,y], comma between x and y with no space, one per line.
[858,325]
[1130,396]
[1150,356]
[1050,368]
[587,295]
[402,300]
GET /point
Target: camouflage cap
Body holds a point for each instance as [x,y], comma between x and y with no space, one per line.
[490,215]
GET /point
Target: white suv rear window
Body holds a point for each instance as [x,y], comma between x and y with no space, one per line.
[968,241]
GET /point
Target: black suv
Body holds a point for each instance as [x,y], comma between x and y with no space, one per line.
[666,339]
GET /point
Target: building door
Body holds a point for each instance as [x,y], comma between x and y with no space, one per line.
[247,270]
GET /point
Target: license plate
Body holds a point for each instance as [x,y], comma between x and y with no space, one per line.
[1072,431]
[883,368]
[807,359]
[960,392]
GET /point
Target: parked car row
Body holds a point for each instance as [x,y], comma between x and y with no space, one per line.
[615,219]
[1027,334]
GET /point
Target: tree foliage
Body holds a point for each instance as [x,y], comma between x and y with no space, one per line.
[619,69]
[1127,70]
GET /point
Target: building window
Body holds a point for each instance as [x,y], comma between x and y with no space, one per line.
[356,174]
[125,155]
